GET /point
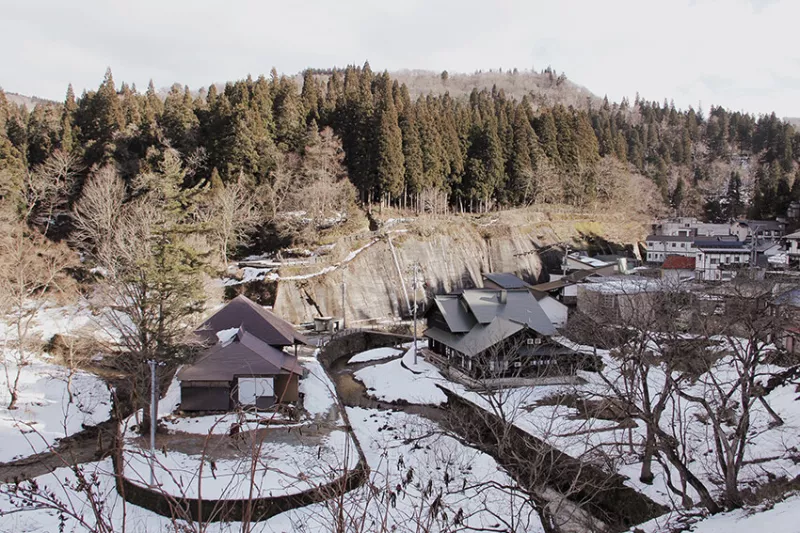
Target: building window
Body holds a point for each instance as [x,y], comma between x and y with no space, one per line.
[714,260]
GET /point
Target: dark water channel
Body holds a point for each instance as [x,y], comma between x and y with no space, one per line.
[616,508]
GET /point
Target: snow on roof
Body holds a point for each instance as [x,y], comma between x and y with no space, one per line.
[625,285]
[589,260]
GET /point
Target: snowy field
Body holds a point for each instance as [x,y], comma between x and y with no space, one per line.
[392,382]
[375,354]
[458,482]
[44,413]
[545,412]
[280,467]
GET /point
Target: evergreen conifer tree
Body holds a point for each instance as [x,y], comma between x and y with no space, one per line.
[390,170]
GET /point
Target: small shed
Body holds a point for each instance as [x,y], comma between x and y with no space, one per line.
[327,324]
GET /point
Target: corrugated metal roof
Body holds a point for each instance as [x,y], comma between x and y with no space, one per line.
[243,355]
[506,280]
[457,317]
[670,238]
[520,306]
[481,338]
[241,311]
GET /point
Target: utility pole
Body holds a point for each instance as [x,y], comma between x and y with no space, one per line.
[414,286]
[344,308]
[153,421]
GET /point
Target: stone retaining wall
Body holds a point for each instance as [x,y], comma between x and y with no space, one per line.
[356,342]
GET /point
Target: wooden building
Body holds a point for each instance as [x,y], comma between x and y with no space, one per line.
[246,364]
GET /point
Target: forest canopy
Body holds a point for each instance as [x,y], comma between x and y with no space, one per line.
[473,152]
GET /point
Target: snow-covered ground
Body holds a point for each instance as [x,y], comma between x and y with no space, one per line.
[392,382]
[319,394]
[44,413]
[548,413]
[780,517]
[375,354]
[280,467]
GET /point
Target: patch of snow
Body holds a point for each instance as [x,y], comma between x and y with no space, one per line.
[281,467]
[319,396]
[374,355]
[221,424]
[393,382]
[226,334]
[398,445]
[44,413]
[249,274]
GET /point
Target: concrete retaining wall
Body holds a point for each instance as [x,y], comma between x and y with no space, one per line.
[216,510]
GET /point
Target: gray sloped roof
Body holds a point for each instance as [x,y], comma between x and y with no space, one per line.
[791,298]
[243,355]
[506,280]
[480,338]
[243,312]
[520,307]
[458,319]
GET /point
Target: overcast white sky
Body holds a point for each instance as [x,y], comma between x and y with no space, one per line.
[742,54]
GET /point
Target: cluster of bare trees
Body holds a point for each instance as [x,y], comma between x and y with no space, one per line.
[32,267]
[693,371]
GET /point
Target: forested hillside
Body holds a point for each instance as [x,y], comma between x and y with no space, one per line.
[469,152]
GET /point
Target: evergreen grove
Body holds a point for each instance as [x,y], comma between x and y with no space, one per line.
[480,152]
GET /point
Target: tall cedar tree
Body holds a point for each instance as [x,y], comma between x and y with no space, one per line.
[389,168]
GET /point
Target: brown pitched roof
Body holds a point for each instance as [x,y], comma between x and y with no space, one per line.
[242,312]
[678,262]
[243,355]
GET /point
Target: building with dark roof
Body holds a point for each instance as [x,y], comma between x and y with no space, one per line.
[495,333]
[245,365]
[503,280]
[243,312]
[719,259]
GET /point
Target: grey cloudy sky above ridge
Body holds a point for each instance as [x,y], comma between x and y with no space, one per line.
[738,53]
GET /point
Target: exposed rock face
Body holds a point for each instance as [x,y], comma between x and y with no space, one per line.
[451,254]
[373,282]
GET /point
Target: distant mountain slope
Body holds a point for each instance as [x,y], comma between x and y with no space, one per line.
[28,102]
[547,87]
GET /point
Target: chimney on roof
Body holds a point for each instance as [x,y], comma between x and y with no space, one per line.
[503,296]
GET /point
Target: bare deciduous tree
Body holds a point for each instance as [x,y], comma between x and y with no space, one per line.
[230,216]
[32,269]
[97,211]
[48,187]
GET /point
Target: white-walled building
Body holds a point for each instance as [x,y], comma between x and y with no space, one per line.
[690,227]
[659,247]
[718,260]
